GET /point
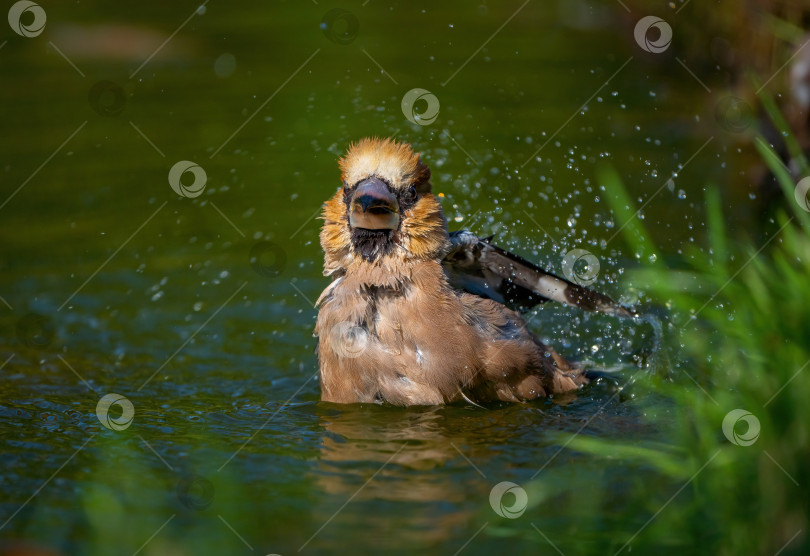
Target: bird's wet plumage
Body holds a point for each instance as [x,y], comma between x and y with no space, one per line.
[417,316]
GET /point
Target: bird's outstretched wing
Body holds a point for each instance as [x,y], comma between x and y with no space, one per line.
[478,267]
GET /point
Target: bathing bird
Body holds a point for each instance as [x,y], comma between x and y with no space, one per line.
[415,315]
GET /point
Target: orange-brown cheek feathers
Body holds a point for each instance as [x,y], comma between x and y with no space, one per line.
[336,236]
[393,162]
[423,231]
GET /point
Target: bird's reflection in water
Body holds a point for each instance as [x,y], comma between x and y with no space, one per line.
[423,476]
[403,471]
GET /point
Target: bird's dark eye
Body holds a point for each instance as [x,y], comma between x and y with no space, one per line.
[410,195]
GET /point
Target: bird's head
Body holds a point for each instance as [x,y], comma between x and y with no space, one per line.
[385,211]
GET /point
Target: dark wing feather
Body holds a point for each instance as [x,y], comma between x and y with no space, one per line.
[478,267]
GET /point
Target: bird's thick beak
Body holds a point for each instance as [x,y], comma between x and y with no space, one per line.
[373,206]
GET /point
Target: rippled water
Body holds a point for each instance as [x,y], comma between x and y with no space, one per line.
[199,310]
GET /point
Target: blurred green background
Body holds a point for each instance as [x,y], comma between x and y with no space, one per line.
[199,310]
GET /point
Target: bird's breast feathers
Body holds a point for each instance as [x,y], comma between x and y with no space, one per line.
[406,343]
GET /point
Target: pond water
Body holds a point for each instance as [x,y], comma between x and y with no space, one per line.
[198,309]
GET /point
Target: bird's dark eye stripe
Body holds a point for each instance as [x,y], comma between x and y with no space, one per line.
[407,198]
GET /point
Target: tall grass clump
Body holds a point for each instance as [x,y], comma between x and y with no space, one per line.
[731,449]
